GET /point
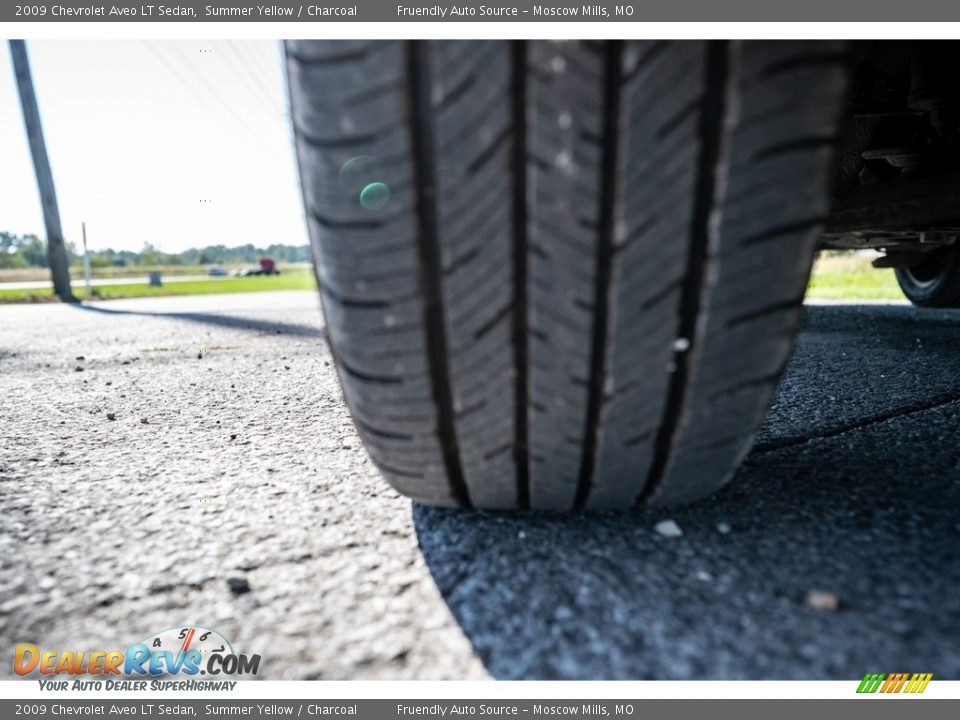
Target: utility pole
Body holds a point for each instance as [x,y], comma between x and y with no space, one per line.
[56,251]
[86,258]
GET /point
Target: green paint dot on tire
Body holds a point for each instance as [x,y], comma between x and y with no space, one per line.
[375,196]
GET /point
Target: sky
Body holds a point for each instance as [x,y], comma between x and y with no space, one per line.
[178,144]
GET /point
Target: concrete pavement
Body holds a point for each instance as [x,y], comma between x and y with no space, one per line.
[230,457]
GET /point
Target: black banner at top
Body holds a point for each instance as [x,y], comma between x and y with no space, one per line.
[73,11]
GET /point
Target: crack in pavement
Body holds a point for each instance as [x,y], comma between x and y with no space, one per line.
[784,443]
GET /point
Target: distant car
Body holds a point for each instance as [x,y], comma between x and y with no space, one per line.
[267,266]
[216,271]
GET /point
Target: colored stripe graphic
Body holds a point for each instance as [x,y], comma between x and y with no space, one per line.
[871,682]
[894,683]
[919,682]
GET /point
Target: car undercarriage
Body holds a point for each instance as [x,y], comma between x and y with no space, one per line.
[897,178]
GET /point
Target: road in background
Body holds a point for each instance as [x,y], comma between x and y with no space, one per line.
[190,460]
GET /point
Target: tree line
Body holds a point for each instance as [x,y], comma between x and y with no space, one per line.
[25,251]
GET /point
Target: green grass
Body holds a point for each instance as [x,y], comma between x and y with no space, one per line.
[836,276]
[849,276]
[76,271]
[294,280]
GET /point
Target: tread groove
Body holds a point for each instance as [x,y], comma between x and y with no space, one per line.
[660,295]
[780,306]
[383,467]
[468,411]
[349,302]
[431,268]
[336,224]
[613,80]
[806,60]
[690,108]
[712,115]
[520,319]
[367,377]
[385,434]
[637,233]
[503,450]
[463,260]
[495,320]
[333,143]
[753,382]
[336,59]
[490,151]
[656,49]
[457,92]
[637,439]
[791,146]
[372,93]
[781,230]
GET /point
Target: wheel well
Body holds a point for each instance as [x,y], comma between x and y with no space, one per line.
[897,170]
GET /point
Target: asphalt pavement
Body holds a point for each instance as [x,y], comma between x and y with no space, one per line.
[174,461]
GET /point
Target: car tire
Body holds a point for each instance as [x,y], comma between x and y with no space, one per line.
[562,275]
[934,282]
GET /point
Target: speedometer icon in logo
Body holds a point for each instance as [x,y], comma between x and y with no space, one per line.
[186,646]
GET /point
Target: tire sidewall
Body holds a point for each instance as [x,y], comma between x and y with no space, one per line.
[942,292]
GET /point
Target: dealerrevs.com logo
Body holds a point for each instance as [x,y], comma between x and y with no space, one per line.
[185,652]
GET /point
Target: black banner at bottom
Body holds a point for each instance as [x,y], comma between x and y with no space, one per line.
[873,707]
